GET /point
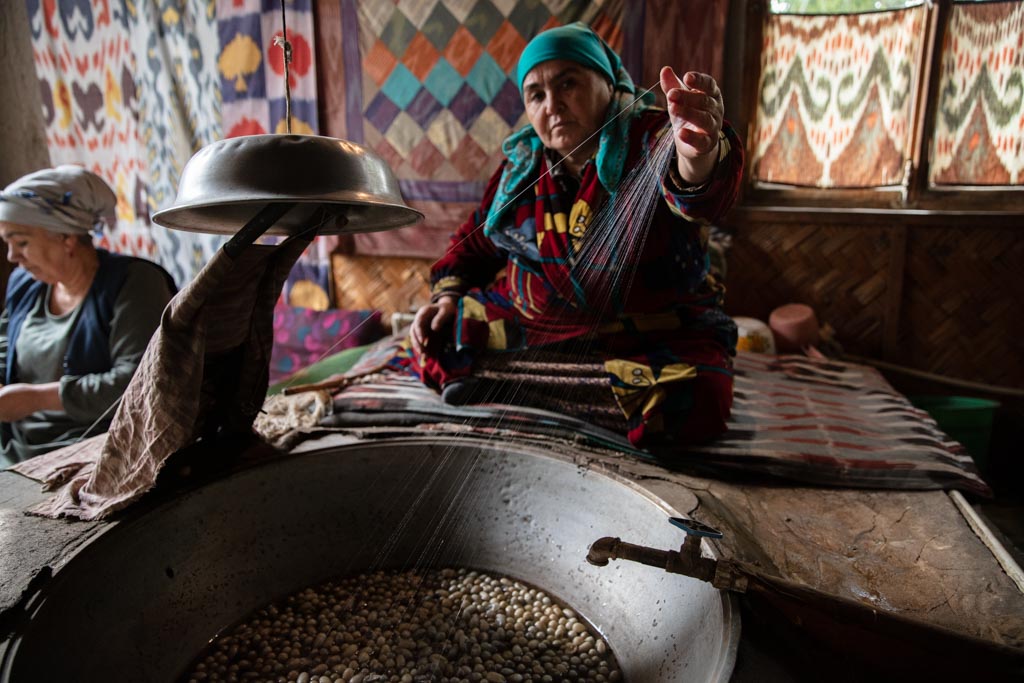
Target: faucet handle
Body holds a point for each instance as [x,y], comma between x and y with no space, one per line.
[694,528]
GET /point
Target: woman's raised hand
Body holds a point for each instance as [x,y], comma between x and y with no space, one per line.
[430,320]
[696,110]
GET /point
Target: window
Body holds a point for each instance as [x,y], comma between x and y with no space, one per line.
[900,103]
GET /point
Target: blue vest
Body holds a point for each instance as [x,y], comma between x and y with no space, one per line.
[88,349]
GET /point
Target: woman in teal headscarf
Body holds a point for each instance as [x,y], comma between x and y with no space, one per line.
[521,273]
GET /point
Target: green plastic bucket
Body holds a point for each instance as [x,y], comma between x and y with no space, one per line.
[966,419]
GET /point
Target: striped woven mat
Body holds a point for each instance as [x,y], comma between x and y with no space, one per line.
[803,420]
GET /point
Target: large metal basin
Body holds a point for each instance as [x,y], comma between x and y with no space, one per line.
[142,599]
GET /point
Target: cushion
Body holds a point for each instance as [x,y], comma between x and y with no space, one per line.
[303,336]
[330,366]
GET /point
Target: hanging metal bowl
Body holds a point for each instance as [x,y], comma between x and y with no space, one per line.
[227,182]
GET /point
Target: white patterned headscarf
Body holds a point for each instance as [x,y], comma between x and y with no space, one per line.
[67,199]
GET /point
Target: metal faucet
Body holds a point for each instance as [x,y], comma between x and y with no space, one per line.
[688,561]
[833,621]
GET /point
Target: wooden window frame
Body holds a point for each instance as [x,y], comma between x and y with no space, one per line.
[915,196]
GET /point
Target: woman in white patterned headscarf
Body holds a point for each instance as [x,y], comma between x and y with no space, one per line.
[76,318]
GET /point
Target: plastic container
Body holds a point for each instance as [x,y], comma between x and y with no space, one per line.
[753,335]
[966,419]
[795,326]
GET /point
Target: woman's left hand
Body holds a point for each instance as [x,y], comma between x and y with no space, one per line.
[696,110]
[430,321]
[18,401]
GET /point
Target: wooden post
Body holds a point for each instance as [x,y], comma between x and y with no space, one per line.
[22,135]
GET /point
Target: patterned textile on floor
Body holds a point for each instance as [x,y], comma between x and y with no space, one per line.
[394,404]
[205,372]
[833,423]
[817,422]
[303,336]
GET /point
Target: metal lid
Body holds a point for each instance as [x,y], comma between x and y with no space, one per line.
[227,182]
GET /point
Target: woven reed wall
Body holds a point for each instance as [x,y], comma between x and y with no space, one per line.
[963,303]
[924,295]
[391,285]
[840,271]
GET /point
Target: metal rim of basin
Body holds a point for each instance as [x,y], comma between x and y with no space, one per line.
[182,569]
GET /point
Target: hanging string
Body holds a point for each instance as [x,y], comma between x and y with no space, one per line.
[286,47]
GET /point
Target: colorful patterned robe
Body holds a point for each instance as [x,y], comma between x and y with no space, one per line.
[664,340]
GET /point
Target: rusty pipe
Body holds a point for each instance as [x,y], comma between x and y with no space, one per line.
[686,561]
[608,548]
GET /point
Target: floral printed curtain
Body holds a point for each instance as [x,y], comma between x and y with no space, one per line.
[252,87]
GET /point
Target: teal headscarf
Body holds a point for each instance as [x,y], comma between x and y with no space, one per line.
[578,43]
[575,42]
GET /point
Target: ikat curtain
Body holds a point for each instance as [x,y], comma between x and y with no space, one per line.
[132,89]
[979,119]
[175,48]
[835,98]
[86,63]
